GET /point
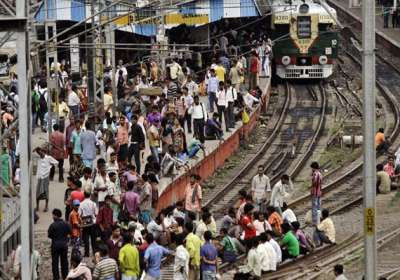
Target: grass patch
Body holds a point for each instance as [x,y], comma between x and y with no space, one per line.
[336,156]
[395,200]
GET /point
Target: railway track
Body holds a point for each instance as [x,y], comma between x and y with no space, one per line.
[347,179]
[218,200]
[339,195]
[386,245]
[345,191]
[341,198]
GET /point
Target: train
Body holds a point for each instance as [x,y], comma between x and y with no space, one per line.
[305,39]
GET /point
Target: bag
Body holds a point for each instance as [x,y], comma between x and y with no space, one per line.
[154,196]
[87,221]
[108,136]
[229,257]
[245,117]
[42,102]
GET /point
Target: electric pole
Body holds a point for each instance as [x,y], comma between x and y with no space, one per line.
[368,85]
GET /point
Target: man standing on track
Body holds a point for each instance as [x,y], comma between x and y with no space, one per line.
[316,192]
[260,185]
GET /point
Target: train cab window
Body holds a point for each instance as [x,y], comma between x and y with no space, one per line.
[304,27]
[281,30]
[324,26]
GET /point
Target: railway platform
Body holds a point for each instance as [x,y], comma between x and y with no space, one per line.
[390,34]
[172,190]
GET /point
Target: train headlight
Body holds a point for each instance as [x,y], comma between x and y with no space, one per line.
[323,60]
[286,60]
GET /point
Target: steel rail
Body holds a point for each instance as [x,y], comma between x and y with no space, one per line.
[250,164]
[298,166]
[352,248]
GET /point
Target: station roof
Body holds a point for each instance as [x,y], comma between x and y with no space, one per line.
[145,18]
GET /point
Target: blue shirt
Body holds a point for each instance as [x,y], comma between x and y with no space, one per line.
[88,144]
[212,84]
[154,253]
[76,143]
[210,253]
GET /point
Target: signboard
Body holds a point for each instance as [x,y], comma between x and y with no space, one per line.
[188,19]
[369,220]
[170,19]
[151,91]
[281,19]
[125,20]
[325,19]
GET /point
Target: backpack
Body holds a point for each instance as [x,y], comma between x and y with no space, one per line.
[42,102]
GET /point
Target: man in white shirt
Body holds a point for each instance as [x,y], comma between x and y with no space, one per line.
[182,257]
[288,214]
[101,181]
[108,100]
[88,211]
[74,102]
[275,246]
[121,66]
[231,97]
[338,270]
[279,192]
[260,224]
[203,225]
[270,260]
[199,115]
[43,172]
[260,185]
[87,180]
[175,69]
[192,86]
[249,99]
[156,228]
[188,103]
[222,105]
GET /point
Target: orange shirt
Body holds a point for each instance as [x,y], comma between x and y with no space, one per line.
[275,221]
[75,221]
[379,139]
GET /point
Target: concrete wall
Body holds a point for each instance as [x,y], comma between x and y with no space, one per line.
[206,167]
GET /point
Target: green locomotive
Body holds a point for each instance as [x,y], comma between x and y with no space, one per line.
[305,39]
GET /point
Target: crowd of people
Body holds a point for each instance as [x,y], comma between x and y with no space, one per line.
[109,228]
[112,163]
[126,239]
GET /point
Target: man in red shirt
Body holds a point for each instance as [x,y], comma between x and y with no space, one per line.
[57,151]
[105,219]
[316,192]
[246,222]
[254,69]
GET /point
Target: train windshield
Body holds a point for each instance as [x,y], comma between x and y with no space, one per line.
[304,27]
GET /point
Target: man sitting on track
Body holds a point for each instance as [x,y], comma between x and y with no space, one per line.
[325,231]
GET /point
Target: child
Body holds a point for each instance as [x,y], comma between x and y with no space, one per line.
[75,222]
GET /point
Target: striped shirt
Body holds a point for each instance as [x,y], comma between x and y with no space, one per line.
[172,89]
[105,268]
[316,180]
